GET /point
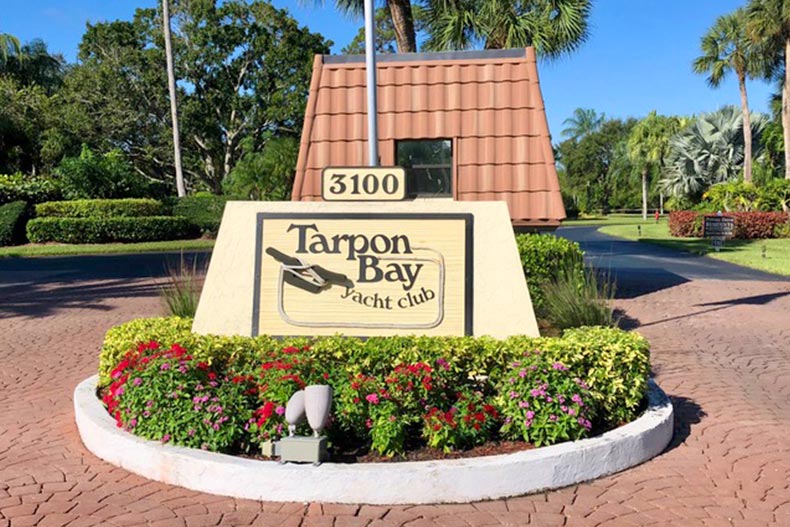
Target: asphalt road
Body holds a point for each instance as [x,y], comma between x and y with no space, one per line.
[641,268]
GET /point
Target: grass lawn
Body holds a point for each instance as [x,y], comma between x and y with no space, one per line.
[610,219]
[108,248]
[771,255]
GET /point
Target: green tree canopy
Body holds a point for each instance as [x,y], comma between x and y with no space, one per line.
[592,167]
[584,121]
[243,70]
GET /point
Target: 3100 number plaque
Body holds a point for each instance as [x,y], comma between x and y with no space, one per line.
[363,184]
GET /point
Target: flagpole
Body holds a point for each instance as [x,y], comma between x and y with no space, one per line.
[370,70]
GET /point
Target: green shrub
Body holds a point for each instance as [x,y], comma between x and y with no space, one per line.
[101,208]
[16,187]
[573,300]
[542,403]
[543,258]
[470,421]
[12,223]
[614,363]
[169,396]
[782,231]
[108,230]
[107,175]
[204,211]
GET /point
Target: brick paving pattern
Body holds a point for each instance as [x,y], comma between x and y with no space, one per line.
[720,349]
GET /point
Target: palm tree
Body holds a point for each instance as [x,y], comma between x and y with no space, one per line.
[401,15]
[648,146]
[769,24]
[584,121]
[171,84]
[553,27]
[725,48]
[9,47]
[709,151]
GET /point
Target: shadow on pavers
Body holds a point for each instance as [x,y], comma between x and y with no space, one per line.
[756,300]
[687,414]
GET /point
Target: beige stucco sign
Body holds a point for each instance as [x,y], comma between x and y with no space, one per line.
[365,269]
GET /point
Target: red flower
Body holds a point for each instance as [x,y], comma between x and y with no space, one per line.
[202,366]
[291,349]
[212,376]
[265,412]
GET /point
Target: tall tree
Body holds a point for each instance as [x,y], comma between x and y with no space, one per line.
[769,24]
[244,72]
[726,48]
[249,66]
[553,27]
[591,167]
[386,40]
[648,146]
[583,122]
[9,46]
[33,64]
[401,18]
[171,86]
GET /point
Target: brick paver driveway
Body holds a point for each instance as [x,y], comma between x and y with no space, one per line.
[720,349]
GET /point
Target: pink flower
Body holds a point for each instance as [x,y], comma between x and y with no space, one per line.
[137,381]
[372,398]
[280,410]
[165,366]
[165,438]
[191,432]
[530,415]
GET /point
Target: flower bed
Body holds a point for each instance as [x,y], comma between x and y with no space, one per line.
[392,395]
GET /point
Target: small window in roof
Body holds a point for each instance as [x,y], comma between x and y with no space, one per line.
[428,164]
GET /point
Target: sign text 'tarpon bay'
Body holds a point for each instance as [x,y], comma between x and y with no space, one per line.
[363,274]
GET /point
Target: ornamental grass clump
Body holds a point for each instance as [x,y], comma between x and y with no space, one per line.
[542,404]
[574,301]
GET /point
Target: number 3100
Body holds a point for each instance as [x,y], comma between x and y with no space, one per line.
[372,184]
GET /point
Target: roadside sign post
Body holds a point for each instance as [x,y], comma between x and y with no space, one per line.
[370,70]
[718,228]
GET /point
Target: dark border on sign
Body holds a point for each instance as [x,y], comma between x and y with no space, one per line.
[405,184]
[469,270]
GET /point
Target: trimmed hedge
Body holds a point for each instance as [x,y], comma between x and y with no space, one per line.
[685,224]
[101,208]
[12,223]
[16,187]
[107,230]
[748,225]
[203,211]
[543,258]
[613,362]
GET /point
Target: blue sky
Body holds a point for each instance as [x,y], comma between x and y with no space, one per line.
[638,57]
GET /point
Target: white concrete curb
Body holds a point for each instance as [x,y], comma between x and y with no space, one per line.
[447,481]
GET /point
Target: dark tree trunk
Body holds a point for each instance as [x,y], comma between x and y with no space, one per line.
[403,23]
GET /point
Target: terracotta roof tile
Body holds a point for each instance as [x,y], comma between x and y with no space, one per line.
[489,103]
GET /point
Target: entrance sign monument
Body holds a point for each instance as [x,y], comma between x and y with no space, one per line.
[365,269]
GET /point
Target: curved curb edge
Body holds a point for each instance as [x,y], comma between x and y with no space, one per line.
[445,481]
